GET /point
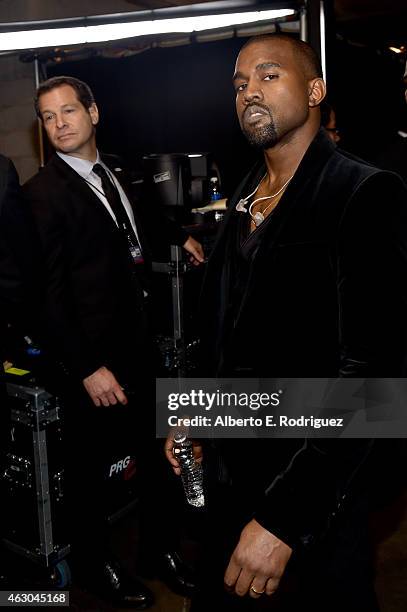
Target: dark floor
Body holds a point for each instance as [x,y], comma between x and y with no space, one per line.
[389,528]
[390,533]
[391,564]
[124,543]
[166,601]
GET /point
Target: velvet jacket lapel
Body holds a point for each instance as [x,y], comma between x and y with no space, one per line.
[296,195]
[315,158]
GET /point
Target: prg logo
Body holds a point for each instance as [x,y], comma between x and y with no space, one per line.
[125,467]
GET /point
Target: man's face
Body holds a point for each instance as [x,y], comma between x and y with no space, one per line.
[272,92]
[69,125]
[331,129]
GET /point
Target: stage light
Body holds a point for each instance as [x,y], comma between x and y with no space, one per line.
[57,37]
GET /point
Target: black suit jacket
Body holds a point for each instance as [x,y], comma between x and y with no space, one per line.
[94,304]
[326,297]
[19,278]
[20,287]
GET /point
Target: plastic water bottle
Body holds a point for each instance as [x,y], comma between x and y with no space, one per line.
[214,189]
[191,470]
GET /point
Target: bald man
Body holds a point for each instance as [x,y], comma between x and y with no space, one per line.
[308,278]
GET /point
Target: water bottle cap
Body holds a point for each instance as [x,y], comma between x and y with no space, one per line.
[179,437]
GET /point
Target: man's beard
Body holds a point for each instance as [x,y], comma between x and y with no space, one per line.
[262,138]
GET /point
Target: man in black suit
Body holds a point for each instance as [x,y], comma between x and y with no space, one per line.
[97,291]
[19,268]
[308,278]
[10,277]
[19,286]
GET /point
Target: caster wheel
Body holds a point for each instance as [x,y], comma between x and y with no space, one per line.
[63,576]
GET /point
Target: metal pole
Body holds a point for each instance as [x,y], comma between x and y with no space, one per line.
[322,30]
[177,284]
[40,133]
[303,24]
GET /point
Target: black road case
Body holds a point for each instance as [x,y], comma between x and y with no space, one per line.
[42,450]
[34,475]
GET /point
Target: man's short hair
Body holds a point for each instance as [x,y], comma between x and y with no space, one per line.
[82,90]
[302,50]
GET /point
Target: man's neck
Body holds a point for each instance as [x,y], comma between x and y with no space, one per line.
[82,165]
[88,153]
[283,159]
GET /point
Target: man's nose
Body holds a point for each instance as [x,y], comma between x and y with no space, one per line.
[253,92]
[60,121]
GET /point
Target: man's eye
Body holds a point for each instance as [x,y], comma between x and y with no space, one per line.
[47,118]
[69,110]
[241,87]
[270,77]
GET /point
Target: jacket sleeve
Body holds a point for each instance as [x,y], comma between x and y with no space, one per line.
[372,279]
[20,283]
[302,502]
[62,335]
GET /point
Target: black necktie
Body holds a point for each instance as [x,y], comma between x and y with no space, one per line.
[114,199]
[126,229]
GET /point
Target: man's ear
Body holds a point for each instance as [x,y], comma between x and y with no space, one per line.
[316,91]
[94,114]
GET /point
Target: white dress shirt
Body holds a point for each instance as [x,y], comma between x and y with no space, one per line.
[84,168]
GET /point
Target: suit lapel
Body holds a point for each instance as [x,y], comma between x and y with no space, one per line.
[297,194]
[77,184]
[226,235]
[313,161]
[88,196]
[118,175]
[315,157]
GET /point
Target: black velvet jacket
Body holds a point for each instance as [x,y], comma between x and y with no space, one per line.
[326,296]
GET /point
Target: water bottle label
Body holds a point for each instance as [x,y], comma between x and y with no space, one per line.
[191,473]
